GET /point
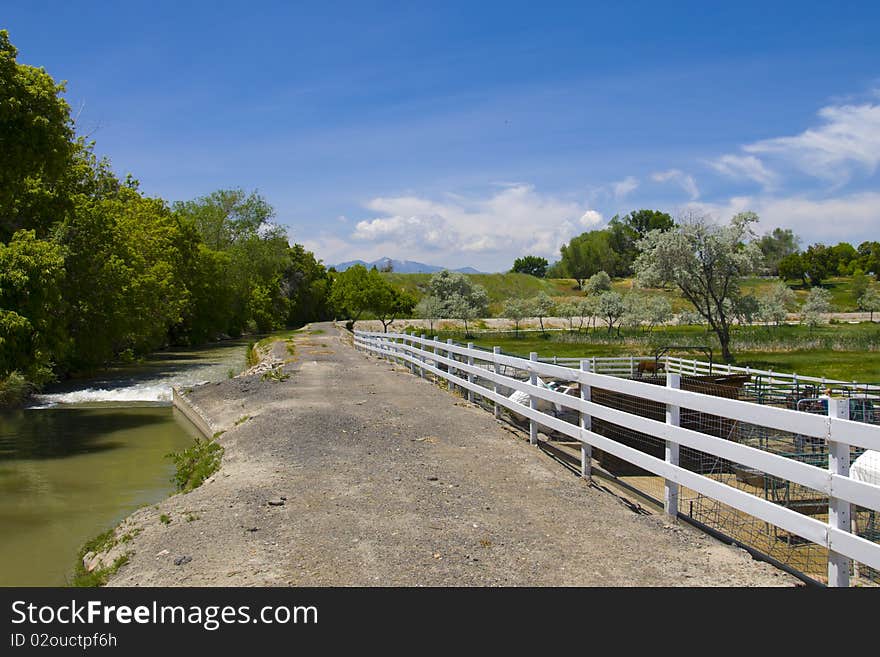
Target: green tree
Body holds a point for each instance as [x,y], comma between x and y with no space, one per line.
[775,246]
[859,285]
[791,268]
[391,303]
[588,254]
[32,331]
[531,265]
[818,263]
[354,291]
[36,142]
[843,257]
[868,259]
[306,284]
[707,262]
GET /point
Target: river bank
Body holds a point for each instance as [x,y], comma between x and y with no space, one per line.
[84,455]
[343,470]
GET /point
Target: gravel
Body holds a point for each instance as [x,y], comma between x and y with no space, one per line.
[354,472]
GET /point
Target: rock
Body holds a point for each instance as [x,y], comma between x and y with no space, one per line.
[432,478]
[277,501]
[162,553]
[179,561]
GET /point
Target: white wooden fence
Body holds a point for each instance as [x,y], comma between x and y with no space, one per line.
[461,366]
[628,366]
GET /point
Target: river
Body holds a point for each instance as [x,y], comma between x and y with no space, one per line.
[88,453]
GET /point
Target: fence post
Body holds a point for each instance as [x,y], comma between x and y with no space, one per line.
[470,376]
[839,511]
[533,401]
[450,369]
[436,362]
[422,358]
[632,366]
[587,424]
[670,488]
[495,352]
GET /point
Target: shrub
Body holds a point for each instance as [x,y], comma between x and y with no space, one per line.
[196,464]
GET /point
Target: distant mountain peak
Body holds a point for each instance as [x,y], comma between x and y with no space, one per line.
[403,266]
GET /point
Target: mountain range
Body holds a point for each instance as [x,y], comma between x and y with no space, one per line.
[403,266]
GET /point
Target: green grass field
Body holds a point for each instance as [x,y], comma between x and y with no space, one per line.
[522,286]
[849,352]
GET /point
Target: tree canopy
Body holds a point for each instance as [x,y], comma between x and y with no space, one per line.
[531,265]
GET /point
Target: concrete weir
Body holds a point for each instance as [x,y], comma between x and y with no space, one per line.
[193,413]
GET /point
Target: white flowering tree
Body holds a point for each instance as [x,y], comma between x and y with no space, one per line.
[706,262]
[516,310]
[611,308]
[870,301]
[773,307]
[458,297]
[817,303]
[542,306]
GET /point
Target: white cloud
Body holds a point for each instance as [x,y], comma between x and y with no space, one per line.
[853,217]
[682,179]
[745,166]
[848,140]
[492,230]
[591,218]
[625,187]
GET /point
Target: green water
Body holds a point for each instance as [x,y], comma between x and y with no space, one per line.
[77,467]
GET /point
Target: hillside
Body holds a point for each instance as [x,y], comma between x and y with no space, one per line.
[522,286]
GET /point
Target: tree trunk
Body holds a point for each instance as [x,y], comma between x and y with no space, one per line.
[724,339]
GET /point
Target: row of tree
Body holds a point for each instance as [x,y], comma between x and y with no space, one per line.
[615,248]
[92,270]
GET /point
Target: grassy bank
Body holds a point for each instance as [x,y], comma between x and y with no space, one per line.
[841,351]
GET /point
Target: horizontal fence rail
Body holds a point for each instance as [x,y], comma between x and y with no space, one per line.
[488,374]
[629,366]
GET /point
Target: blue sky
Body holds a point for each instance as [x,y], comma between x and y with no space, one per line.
[472,133]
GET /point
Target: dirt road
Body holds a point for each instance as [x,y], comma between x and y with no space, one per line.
[354,472]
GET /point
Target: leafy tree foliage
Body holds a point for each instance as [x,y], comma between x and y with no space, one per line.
[36,141]
[598,283]
[92,270]
[775,246]
[531,265]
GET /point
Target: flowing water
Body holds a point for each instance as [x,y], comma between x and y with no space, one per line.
[88,453]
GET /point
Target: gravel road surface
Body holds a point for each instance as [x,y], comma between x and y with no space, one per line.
[352,471]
